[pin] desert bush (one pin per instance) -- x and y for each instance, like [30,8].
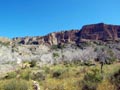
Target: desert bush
[106,56]
[111,56]
[16,85]
[95,76]
[76,62]
[92,79]
[61,46]
[25,74]
[38,76]
[115,79]
[11,75]
[59,73]
[55,55]
[54,47]
[96,42]
[33,63]
[83,45]
[110,60]
[4,43]
[88,63]
[66,62]
[47,70]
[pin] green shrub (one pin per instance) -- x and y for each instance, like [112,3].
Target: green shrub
[88,63]
[110,60]
[60,73]
[16,85]
[11,75]
[61,46]
[33,63]
[92,79]
[4,43]
[56,74]
[47,70]
[25,74]
[94,76]
[38,76]
[54,47]
[76,62]
[84,45]
[115,79]
[111,57]
[55,55]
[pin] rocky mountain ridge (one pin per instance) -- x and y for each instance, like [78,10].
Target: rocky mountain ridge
[100,31]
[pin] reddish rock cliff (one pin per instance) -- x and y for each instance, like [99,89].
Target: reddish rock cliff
[99,31]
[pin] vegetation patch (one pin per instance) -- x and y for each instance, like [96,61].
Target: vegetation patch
[115,79]
[15,84]
[92,79]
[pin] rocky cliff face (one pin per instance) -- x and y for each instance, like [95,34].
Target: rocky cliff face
[98,31]
[50,39]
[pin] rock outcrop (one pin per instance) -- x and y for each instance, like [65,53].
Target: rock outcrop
[50,39]
[98,31]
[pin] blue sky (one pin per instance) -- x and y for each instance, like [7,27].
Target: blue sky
[40,17]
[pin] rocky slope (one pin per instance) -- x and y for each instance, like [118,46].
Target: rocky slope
[98,31]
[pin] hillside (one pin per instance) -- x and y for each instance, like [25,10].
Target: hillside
[85,59]
[82,45]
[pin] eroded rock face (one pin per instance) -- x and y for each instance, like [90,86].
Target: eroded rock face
[50,39]
[98,31]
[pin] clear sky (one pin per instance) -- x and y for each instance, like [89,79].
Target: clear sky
[40,17]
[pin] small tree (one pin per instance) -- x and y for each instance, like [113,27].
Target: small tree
[55,56]
[102,57]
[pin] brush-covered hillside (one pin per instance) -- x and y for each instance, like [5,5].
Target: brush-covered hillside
[85,59]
